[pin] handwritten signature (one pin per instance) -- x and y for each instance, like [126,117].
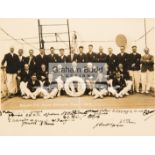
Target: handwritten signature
[96,116]
[149,114]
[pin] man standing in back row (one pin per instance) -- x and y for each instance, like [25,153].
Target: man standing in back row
[134,68]
[22,60]
[147,69]
[112,62]
[81,57]
[52,57]
[62,58]
[101,56]
[12,66]
[72,57]
[41,59]
[31,61]
[122,58]
[91,56]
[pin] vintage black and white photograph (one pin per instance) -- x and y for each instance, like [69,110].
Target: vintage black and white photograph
[75,76]
[77,63]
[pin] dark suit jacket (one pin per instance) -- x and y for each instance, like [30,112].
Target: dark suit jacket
[12,63]
[41,60]
[102,57]
[112,62]
[69,58]
[52,58]
[32,63]
[123,59]
[134,59]
[62,60]
[25,76]
[147,65]
[125,74]
[118,84]
[21,64]
[91,57]
[44,74]
[81,58]
[32,87]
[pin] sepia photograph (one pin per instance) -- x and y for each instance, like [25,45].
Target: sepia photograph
[77,76]
[77,63]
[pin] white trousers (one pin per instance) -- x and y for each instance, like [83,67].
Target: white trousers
[135,79]
[147,80]
[11,83]
[102,92]
[114,92]
[124,91]
[25,91]
[45,94]
[53,93]
[128,87]
[23,88]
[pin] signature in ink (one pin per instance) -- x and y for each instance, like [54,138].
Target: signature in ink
[121,123]
[148,113]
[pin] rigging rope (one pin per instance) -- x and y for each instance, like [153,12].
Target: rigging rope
[10,36]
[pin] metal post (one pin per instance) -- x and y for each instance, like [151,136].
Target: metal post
[41,36]
[145,32]
[69,35]
[39,33]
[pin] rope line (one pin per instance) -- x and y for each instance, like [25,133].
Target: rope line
[29,44]
[10,36]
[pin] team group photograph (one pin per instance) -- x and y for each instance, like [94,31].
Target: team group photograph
[81,70]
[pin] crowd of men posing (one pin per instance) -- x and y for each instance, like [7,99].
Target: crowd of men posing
[29,77]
